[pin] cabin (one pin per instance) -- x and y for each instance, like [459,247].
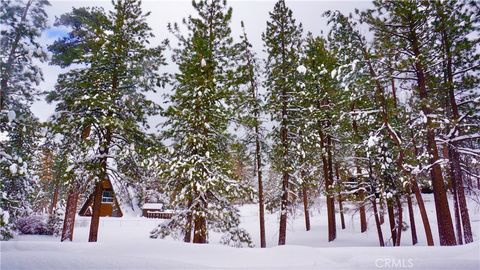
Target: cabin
[109,207]
[156,210]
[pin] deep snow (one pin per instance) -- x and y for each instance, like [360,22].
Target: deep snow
[124,244]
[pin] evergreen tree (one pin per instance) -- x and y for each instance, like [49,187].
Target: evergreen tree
[407,26]
[319,100]
[283,40]
[199,172]
[454,23]
[21,26]
[357,119]
[250,113]
[102,103]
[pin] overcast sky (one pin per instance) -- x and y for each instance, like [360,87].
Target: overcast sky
[254,13]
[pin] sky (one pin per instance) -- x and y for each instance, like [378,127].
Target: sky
[254,13]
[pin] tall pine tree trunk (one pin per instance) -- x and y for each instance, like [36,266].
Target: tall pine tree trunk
[305,203]
[447,153]
[200,233]
[456,210]
[382,212]
[340,200]
[97,203]
[462,201]
[423,212]
[70,213]
[332,230]
[377,222]
[444,218]
[258,158]
[454,156]
[283,210]
[391,220]
[103,175]
[53,204]
[411,216]
[200,230]
[285,174]
[400,220]
[418,197]
[188,227]
[326,175]
[358,171]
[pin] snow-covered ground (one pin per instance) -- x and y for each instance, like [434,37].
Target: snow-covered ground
[124,243]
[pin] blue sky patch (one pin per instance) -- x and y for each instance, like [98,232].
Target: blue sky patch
[56,32]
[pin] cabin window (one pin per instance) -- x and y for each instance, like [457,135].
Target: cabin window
[107,196]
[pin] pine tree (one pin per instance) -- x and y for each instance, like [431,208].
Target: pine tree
[251,108]
[283,40]
[357,123]
[21,26]
[407,25]
[454,23]
[319,101]
[104,102]
[384,141]
[199,171]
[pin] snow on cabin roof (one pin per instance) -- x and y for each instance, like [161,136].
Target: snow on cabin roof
[152,206]
[125,197]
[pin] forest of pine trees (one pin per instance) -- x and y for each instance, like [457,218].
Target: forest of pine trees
[377,111]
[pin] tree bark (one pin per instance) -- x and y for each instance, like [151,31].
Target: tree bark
[332,230]
[188,228]
[340,200]
[423,212]
[283,210]
[411,216]
[400,221]
[382,212]
[187,238]
[53,204]
[391,219]
[462,201]
[456,208]
[285,174]
[305,203]
[261,206]
[377,223]
[95,220]
[326,162]
[363,215]
[70,213]
[200,230]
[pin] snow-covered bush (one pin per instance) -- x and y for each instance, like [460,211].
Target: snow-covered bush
[55,222]
[33,224]
[5,226]
[237,238]
[41,224]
